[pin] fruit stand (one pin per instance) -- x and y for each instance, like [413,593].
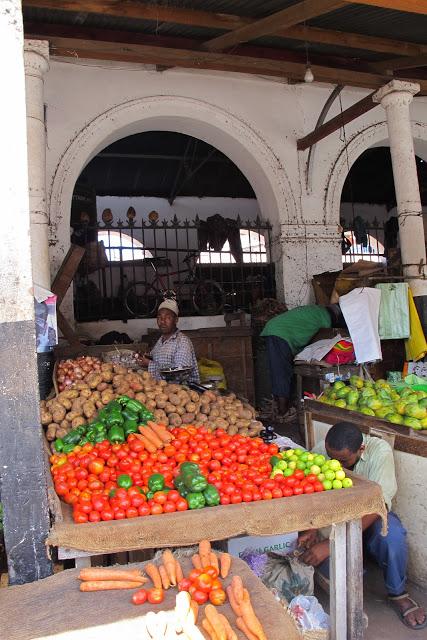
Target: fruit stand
[410,455]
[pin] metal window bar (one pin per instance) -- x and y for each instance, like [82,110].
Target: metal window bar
[101,292]
[374,251]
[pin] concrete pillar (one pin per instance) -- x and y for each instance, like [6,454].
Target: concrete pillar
[36,57]
[395,97]
[22,460]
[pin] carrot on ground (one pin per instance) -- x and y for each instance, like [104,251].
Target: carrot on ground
[243,627]
[153,573]
[233,602]
[225,563]
[97,573]
[195,609]
[250,618]
[212,615]
[178,571]
[213,560]
[108,585]
[204,547]
[153,437]
[161,431]
[170,566]
[209,629]
[237,586]
[147,443]
[197,563]
[164,576]
[231,634]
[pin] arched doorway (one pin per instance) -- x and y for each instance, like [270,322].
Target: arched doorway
[234,137]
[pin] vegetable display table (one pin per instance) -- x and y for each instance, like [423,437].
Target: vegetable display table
[410,458]
[342,509]
[55,608]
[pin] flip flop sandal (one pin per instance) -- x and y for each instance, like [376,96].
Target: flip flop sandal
[393,600]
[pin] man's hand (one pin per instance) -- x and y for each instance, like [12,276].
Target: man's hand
[317,553]
[144,361]
[306,539]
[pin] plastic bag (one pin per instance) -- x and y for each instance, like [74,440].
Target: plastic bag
[211,369]
[309,613]
[288,576]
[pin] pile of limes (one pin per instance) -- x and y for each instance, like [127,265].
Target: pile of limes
[329,472]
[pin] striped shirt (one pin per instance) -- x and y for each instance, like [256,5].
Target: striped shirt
[177,352]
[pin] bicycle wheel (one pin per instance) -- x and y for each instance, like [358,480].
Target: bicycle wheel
[141,300]
[208,298]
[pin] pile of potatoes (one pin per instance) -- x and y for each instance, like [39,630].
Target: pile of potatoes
[172,404]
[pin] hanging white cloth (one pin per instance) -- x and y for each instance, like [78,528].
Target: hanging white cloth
[360,309]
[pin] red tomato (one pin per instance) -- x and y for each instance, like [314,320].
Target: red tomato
[144,510]
[156,509]
[236,498]
[287,492]
[184,584]
[169,507]
[181,504]
[203,582]
[96,466]
[308,488]
[194,574]
[256,495]
[311,477]
[132,512]
[107,514]
[155,596]
[138,500]
[119,514]
[298,474]
[80,517]
[173,496]
[266,494]
[318,486]
[277,493]
[225,499]
[199,596]
[159,497]
[297,491]
[217,597]
[94,516]
[211,571]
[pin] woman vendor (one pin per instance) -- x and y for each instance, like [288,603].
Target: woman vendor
[173,348]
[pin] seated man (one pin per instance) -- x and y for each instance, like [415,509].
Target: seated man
[173,348]
[371,458]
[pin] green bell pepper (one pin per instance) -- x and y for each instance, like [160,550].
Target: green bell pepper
[196,500]
[83,441]
[116,434]
[102,415]
[212,496]
[124,481]
[130,426]
[131,404]
[129,415]
[68,448]
[180,486]
[114,405]
[156,482]
[274,460]
[59,445]
[195,483]
[189,466]
[72,437]
[100,436]
[115,418]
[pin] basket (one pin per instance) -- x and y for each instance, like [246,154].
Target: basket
[124,357]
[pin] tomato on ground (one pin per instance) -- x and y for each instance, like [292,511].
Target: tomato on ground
[155,596]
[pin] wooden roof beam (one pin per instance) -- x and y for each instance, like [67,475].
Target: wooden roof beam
[210,20]
[353,112]
[400,63]
[410,6]
[271,24]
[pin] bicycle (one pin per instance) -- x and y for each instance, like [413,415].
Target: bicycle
[142,298]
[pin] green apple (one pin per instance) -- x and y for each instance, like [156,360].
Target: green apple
[282,464]
[298,452]
[301,465]
[337,484]
[321,477]
[315,469]
[327,485]
[276,472]
[319,460]
[310,457]
[288,472]
[330,475]
[292,464]
[340,474]
[347,482]
[334,465]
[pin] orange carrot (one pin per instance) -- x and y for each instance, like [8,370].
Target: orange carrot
[243,627]
[151,436]
[225,562]
[209,629]
[197,563]
[108,585]
[250,618]
[231,634]
[237,586]
[99,573]
[178,571]
[213,560]
[204,547]
[195,609]
[161,431]
[169,562]
[164,576]
[147,443]
[152,572]
[213,617]
[233,602]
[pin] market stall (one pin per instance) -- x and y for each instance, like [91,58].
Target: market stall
[410,455]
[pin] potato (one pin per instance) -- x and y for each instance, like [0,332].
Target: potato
[58,414]
[159,415]
[190,407]
[244,432]
[243,424]
[85,393]
[66,402]
[245,414]
[80,385]
[107,366]
[188,418]
[180,410]
[45,417]
[102,386]
[42,404]
[61,432]
[119,369]
[96,395]
[175,399]
[130,393]
[70,393]
[123,389]
[99,404]
[169,408]
[232,419]
[107,376]
[77,422]
[64,425]
[51,431]
[205,408]
[175,420]
[77,406]
[89,409]
[141,397]
[151,395]
[256,424]
[71,415]
[194,396]
[232,430]
[160,404]
[220,423]
[252,433]
[146,375]
[93,379]
[201,418]
[106,396]
[214,413]
[151,405]
[118,380]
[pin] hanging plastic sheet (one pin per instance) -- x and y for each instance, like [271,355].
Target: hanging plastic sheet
[360,309]
[393,322]
[416,345]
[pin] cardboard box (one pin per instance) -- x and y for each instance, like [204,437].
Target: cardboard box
[281,544]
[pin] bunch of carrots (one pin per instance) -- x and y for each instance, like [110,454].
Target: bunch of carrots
[206,557]
[154,436]
[106,579]
[246,619]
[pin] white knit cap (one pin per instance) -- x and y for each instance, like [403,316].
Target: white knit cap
[169,304]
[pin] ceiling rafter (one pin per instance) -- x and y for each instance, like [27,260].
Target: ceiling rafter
[409,6]
[400,63]
[283,19]
[191,17]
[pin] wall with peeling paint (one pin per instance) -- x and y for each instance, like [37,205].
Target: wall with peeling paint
[255,121]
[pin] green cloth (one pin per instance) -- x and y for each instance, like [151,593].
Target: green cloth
[376,464]
[298,325]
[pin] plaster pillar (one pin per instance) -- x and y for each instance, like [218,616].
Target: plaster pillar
[307,250]
[395,97]
[36,58]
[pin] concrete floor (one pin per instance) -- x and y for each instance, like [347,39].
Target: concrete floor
[383,622]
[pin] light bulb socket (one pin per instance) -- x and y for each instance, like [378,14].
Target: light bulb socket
[308,76]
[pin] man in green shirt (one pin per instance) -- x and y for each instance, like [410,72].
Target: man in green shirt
[373,459]
[286,335]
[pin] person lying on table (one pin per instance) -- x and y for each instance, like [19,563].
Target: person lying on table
[173,348]
[373,459]
[286,335]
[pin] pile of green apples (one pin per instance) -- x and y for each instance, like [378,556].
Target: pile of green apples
[380,399]
[329,472]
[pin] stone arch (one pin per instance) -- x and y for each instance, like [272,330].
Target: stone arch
[376,135]
[231,135]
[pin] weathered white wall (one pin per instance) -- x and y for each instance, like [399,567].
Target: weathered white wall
[255,121]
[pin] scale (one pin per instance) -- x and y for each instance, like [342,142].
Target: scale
[180,375]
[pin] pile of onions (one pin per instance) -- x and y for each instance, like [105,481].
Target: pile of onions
[71,371]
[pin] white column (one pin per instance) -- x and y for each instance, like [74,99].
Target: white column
[36,57]
[395,97]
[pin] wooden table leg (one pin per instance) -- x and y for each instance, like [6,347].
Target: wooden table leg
[338,581]
[355,623]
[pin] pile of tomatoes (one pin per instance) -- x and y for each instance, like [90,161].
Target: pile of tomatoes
[203,585]
[237,465]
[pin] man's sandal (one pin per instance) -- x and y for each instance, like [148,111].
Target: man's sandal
[393,601]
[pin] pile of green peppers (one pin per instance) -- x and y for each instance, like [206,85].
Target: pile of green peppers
[194,487]
[118,419]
